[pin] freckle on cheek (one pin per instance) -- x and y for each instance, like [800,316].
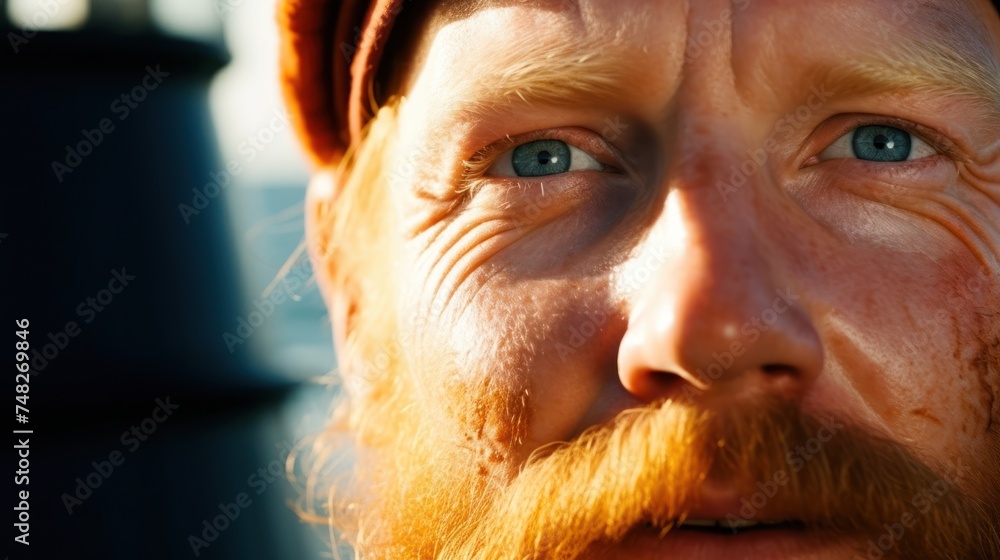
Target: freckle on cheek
[924,413]
[493,418]
[986,364]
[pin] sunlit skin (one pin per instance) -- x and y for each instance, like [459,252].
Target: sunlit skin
[864,290]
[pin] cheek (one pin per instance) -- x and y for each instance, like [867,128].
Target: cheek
[910,314]
[925,375]
[541,349]
[499,284]
[554,340]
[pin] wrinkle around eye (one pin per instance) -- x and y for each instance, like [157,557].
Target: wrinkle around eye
[873,179]
[476,244]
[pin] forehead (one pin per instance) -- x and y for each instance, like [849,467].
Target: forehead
[480,34]
[635,57]
[961,16]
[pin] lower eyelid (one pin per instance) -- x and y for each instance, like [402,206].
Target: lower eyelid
[923,173]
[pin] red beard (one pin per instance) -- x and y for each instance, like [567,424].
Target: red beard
[428,498]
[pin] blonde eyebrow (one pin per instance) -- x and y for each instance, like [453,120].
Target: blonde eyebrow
[569,73]
[930,67]
[566,73]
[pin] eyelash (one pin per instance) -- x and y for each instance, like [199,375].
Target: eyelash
[474,169]
[933,138]
[476,166]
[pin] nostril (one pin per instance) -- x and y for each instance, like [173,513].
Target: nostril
[654,384]
[664,379]
[671,384]
[777,369]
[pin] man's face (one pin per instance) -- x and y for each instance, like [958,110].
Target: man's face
[606,205]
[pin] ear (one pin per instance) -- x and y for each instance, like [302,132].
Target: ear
[320,196]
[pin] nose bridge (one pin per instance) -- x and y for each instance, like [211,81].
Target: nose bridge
[717,312]
[719,263]
[712,197]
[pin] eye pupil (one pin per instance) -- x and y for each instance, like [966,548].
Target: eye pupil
[881,143]
[541,157]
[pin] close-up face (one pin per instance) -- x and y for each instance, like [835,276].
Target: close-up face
[646,279]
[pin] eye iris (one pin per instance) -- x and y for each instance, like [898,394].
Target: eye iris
[541,157]
[881,143]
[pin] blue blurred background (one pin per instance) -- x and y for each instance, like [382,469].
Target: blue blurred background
[152,193]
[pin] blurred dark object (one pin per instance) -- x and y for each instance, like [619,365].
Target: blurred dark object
[108,134]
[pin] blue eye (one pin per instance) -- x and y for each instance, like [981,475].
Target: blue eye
[541,158]
[881,143]
[878,143]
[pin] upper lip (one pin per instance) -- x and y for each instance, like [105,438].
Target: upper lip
[724,503]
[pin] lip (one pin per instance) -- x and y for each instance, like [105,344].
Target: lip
[793,540]
[644,543]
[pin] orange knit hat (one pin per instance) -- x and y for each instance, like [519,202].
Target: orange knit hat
[330,50]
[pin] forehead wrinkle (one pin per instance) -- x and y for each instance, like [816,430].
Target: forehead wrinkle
[442,14]
[941,19]
[936,49]
[449,11]
[570,60]
[932,58]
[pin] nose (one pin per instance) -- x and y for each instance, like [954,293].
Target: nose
[714,314]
